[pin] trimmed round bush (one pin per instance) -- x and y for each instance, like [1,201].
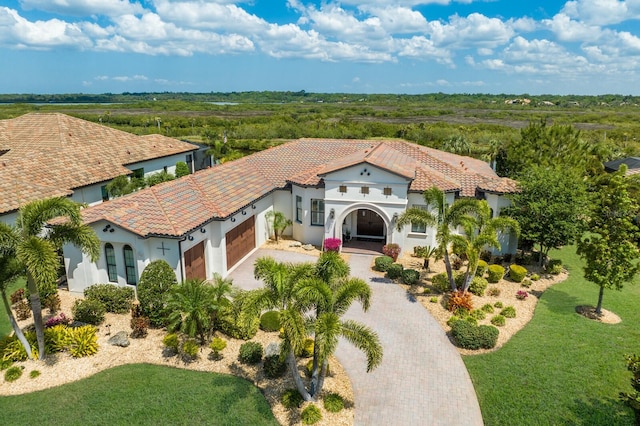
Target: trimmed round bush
[508,312]
[291,399]
[394,271]
[34,373]
[517,273]
[217,344]
[274,367]
[189,349]
[482,268]
[554,266]
[250,353]
[114,298]
[171,341]
[410,276]
[469,336]
[478,314]
[498,305]
[12,374]
[153,288]
[487,308]
[535,277]
[311,415]
[494,291]
[440,282]
[270,321]
[89,311]
[382,263]
[333,402]
[498,320]
[495,273]
[478,286]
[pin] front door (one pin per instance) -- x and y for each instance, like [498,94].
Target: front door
[370,224]
[194,265]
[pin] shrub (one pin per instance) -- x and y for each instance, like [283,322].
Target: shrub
[485,255]
[487,308]
[52,303]
[440,282]
[494,291]
[554,266]
[270,321]
[217,345]
[291,398]
[333,402]
[114,298]
[17,296]
[498,320]
[139,327]
[171,341]
[482,268]
[60,319]
[458,301]
[469,336]
[311,415]
[189,350]
[495,273]
[250,353]
[12,374]
[508,312]
[456,262]
[517,273]
[13,349]
[307,349]
[89,311]
[23,310]
[181,169]
[478,314]
[83,341]
[274,367]
[332,244]
[34,373]
[434,299]
[395,271]
[382,263]
[392,250]
[309,368]
[228,322]
[57,338]
[410,276]
[535,277]
[521,295]
[526,283]
[153,288]
[478,286]
[498,305]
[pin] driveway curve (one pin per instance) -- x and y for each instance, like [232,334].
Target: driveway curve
[421,380]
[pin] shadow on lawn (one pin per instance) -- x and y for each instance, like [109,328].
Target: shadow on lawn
[605,412]
[560,302]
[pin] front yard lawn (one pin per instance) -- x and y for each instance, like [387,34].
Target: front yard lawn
[562,368]
[142,394]
[5,325]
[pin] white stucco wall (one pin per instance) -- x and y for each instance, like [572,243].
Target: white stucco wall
[156,165]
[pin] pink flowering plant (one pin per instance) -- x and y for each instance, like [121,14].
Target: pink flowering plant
[332,244]
[391,250]
[61,318]
[522,295]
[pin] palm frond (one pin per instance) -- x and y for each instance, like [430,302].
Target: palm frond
[39,258]
[34,216]
[365,339]
[350,290]
[81,236]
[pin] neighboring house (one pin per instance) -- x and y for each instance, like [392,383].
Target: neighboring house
[632,163]
[208,222]
[51,154]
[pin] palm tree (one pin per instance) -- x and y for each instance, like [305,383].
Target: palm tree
[36,247]
[278,222]
[445,218]
[480,231]
[10,270]
[221,292]
[331,291]
[191,306]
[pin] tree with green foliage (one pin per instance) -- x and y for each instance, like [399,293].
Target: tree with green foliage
[609,248]
[445,218]
[37,249]
[123,185]
[156,280]
[549,208]
[278,222]
[181,169]
[157,178]
[480,231]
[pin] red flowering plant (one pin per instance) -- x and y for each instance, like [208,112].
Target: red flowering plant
[391,250]
[332,244]
[61,318]
[522,295]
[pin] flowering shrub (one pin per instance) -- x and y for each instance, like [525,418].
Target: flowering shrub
[61,318]
[522,295]
[391,250]
[332,244]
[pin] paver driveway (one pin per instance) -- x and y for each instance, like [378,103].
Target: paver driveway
[422,379]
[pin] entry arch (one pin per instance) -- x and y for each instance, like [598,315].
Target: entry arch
[338,230]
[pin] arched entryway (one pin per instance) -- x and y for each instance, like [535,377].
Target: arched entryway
[363,229]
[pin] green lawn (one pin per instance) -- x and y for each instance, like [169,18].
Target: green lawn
[5,326]
[562,368]
[139,394]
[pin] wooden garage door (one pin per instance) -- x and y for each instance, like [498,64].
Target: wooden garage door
[240,241]
[194,265]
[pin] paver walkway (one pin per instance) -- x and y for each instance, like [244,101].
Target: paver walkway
[422,379]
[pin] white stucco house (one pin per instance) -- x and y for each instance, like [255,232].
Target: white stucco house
[46,155]
[208,222]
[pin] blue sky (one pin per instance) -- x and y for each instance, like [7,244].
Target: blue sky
[376,46]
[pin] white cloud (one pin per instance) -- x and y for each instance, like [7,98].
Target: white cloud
[421,47]
[125,78]
[399,20]
[602,12]
[476,30]
[567,29]
[84,7]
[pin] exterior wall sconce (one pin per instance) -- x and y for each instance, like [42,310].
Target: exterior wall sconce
[203,230]
[394,219]
[244,212]
[190,237]
[332,214]
[233,219]
[253,206]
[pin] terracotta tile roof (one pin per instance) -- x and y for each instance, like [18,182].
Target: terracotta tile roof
[53,153]
[178,207]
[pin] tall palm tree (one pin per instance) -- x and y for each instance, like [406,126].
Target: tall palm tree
[331,292]
[278,222]
[36,247]
[480,231]
[445,218]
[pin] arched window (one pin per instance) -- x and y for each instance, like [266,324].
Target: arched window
[129,265]
[110,255]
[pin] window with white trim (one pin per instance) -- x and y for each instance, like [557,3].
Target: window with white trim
[317,212]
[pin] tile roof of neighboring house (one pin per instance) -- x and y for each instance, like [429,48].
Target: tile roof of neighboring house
[632,163]
[51,154]
[178,207]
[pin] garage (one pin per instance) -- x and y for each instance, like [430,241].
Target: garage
[240,241]
[194,264]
